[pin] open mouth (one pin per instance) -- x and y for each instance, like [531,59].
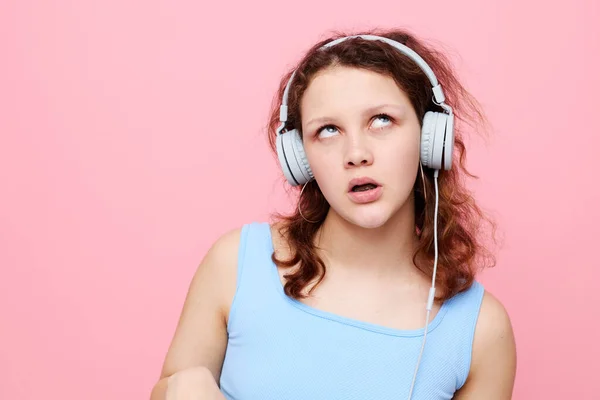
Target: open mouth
[362,184]
[363,188]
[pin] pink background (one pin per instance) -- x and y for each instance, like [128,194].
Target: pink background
[132,136]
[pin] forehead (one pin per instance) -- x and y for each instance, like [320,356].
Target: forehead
[347,89]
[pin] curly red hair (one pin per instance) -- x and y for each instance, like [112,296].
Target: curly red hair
[460,220]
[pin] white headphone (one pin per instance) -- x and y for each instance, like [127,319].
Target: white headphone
[437,144]
[437,133]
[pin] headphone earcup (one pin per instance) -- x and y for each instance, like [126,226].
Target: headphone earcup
[292,158]
[437,140]
[427,137]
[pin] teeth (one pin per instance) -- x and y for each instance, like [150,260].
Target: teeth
[362,188]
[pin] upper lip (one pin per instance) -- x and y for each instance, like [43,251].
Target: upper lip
[362,181]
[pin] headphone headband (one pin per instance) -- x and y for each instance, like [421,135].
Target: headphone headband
[438,94]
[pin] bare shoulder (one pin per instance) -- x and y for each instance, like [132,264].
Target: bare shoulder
[494,327]
[219,267]
[225,247]
[494,359]
[200,337]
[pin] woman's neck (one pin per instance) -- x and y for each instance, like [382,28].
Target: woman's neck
[388,248]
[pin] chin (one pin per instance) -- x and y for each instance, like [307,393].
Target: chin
[368,218]
[373,215]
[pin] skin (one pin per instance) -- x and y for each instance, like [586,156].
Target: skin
[367,248]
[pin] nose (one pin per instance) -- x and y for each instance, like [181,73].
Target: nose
[358,153]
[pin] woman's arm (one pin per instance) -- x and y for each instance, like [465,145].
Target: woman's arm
[494,359]
[200,337]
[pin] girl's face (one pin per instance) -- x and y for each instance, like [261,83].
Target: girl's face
[362,140]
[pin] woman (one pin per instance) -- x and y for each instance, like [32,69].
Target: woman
[368,290]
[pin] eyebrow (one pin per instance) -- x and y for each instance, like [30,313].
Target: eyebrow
[371,110]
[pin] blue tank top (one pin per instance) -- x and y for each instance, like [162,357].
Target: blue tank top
[281,349]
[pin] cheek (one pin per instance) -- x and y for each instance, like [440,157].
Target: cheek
[401,164]
[328,172]
[325,168]
[404,155]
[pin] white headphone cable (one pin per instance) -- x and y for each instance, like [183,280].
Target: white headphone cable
[432,289]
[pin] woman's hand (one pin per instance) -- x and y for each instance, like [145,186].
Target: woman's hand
[195,383]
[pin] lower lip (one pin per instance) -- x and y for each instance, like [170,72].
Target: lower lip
[367,196]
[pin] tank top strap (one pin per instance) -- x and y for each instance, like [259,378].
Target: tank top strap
[255,270]
[459,325]
[253,253]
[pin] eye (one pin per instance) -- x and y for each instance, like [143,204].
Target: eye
[382,120]
[326,131]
